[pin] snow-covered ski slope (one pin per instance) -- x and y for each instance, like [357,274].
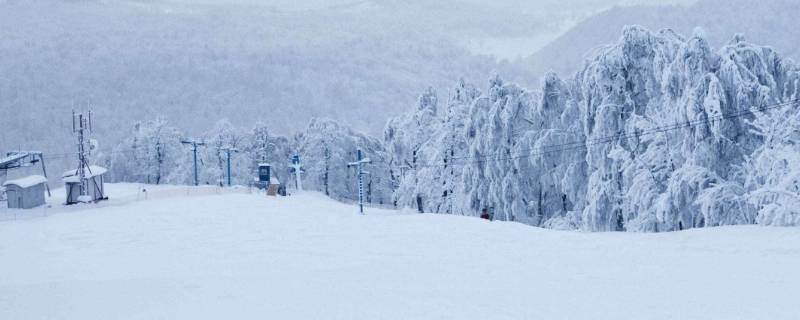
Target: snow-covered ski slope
[246,256]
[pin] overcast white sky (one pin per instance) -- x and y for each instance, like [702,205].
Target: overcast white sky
[527,4]
[561,15]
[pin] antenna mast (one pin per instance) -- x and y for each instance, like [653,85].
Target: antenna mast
[82,127]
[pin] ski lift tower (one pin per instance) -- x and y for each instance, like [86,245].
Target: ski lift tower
[228,151]
[194,144]
[297,169]
[359,165]
[20,159]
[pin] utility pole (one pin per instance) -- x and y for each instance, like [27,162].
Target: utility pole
[228,151]
[416,182]
[359,164]
[194,145]
[297,167]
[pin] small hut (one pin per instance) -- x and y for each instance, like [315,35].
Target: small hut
[266,180]
[274,187]
[25,193]
[96,189]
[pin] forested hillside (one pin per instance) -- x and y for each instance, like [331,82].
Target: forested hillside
[659,132]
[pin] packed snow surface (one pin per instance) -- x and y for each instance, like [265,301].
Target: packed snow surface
[247,256]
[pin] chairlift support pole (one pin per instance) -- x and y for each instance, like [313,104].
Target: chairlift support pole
[44,172]
[359,164]
[297,166]
[194,145]
[228,151]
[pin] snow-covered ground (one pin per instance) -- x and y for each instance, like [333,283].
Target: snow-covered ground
[247,256]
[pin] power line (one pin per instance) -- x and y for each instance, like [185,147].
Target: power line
[579,145]
[538,151]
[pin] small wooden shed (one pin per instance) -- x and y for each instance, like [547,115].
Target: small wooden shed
[25,193]
[96,189]
[273,189]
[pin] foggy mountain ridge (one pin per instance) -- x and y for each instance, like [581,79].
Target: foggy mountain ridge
[771,22]
[196,64]
[132,58]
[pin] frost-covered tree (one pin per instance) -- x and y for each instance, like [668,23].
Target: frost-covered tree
[512,172]
[497,124]
[645,178]
[656,133]
[149,155]
[772,174]
[449,145]
[431,179]
[326,147]
[263,147]
[215,159]
[404,137]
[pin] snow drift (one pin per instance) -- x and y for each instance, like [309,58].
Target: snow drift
[247,256]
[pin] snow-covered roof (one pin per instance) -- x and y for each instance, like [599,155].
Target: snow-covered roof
[12,158]
[91,171]
[264,164]
[26,182]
